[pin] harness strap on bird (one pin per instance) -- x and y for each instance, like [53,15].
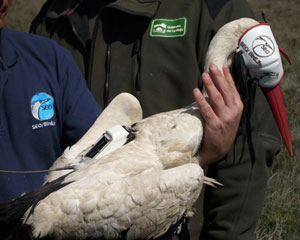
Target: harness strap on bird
[113,138]
[247,89]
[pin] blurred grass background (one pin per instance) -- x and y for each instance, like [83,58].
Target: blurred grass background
[280,219]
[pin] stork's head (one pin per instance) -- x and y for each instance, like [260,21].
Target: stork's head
[262,58]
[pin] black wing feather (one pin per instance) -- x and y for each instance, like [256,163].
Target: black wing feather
[12,212]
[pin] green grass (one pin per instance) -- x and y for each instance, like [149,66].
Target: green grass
[21,14]
[280,219]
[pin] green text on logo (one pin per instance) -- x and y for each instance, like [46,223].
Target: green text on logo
[168,27]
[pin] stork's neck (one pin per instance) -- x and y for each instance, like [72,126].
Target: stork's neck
[225,42]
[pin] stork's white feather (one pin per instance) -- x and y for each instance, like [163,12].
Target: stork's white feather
[124,109]
[146,204]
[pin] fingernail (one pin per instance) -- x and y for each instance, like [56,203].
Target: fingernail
[214,67]
[197,93]
[205,75]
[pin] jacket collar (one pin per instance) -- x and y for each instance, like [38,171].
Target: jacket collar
[9,53]
[90,8]
[145,8]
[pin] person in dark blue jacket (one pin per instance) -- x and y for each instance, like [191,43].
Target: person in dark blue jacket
[44,106]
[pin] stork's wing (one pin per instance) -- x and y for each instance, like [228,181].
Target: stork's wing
[139,206]
[124,109]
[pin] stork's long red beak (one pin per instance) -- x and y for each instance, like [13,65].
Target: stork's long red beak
[275,99]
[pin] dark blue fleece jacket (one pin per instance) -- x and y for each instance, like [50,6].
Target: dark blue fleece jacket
[44,106]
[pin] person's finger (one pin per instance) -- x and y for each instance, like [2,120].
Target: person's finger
[235,104]
[224,84]
[205,109]
[215,97]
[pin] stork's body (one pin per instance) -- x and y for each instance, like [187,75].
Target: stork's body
[141,188]
[136,188]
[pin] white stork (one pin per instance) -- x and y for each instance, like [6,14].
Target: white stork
[137,191]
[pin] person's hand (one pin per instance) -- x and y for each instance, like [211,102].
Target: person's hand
[222,114]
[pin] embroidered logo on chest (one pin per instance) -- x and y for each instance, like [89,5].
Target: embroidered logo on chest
[42,106]
[168,27]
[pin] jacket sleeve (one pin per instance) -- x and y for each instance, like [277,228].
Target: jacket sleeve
[231,212]
[80,109]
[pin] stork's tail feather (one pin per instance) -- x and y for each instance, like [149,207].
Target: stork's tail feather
[212,182]
[12,212]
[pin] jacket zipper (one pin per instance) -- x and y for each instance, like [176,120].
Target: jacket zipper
[90,55]
[137,51]
[107,74]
